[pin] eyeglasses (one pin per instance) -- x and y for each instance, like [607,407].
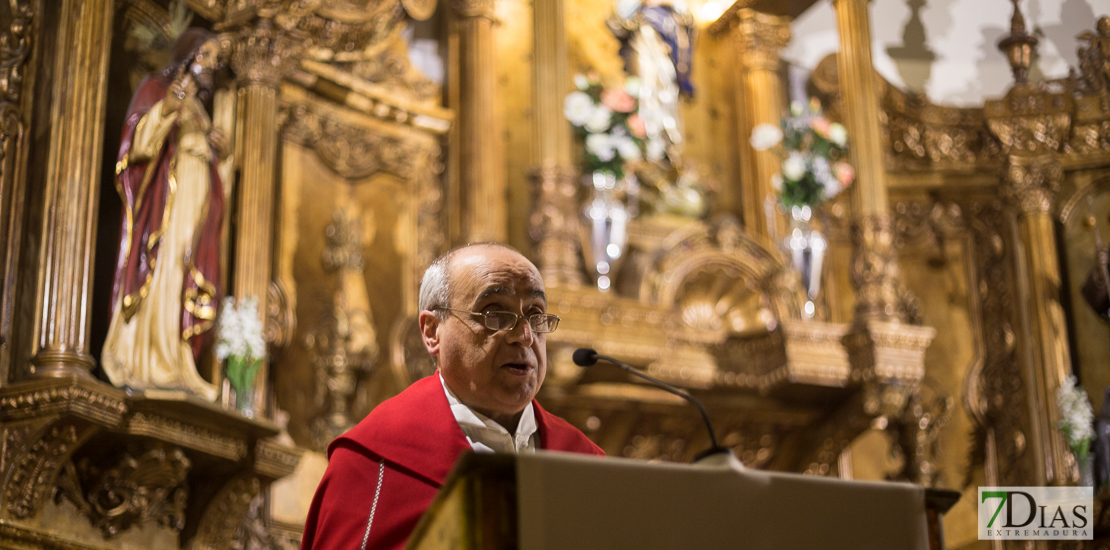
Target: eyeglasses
[507,320]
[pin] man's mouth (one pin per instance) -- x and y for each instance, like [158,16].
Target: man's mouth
[517,368]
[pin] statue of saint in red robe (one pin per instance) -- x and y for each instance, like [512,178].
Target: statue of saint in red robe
[165,294]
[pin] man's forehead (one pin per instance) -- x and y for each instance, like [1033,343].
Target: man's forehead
[502,290]
[494,271]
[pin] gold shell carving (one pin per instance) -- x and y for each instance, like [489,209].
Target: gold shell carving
[142,485]
[419,10]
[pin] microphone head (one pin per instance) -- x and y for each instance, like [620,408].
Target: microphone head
[585,357]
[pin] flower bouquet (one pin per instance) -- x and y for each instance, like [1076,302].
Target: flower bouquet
[241,347]
[814,170]
[814,156]
[1077,425]
[614,135]
[608,122]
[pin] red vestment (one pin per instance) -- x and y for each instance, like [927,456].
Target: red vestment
[144,186]
[412,441]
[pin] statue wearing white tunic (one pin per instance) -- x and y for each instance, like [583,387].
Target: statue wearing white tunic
[165,294]
[657,43]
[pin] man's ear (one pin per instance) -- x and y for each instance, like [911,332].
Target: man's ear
[429,331]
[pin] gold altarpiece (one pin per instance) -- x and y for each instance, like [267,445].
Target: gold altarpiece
[353,171]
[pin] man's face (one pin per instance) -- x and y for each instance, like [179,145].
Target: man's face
[496,373]
[205,63]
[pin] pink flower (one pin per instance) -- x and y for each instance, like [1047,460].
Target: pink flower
[845,174]
[820,125]
[636,126]
[618,100]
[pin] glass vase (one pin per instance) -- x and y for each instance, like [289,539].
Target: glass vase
[244,401]
[241,373]
[610,206]
[1086,466]
[805,246]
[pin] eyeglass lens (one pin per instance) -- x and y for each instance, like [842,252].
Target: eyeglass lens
[505,320]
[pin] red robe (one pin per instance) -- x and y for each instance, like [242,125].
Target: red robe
[144,187]
[418,440]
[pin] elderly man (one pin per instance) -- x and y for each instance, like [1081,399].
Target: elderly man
[483,317]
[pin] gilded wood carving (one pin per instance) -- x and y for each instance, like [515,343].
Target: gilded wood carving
[143,485]
[15,46]
[920,135]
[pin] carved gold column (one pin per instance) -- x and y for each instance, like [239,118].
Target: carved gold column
[1031,126]
[759,38]
[483,205]
[1030,184]
[72,187]
[886,351]
[554,223]
[259,59]
[1031,176]
[874,268]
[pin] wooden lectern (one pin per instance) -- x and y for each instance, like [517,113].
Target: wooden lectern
[557,501]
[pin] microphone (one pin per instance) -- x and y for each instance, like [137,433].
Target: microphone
[586,357]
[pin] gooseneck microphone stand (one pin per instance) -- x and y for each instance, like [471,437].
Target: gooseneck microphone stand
[586,357]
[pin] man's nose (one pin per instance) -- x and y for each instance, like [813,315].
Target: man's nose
[522,332]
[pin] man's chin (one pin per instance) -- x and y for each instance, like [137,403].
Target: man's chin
[518,393]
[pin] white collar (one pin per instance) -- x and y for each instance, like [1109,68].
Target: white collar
[485,435]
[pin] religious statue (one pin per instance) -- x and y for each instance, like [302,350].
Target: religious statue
[1094,289]
[1101,444]
[657,44]
[1094,59]
[165,293]
[1095,293]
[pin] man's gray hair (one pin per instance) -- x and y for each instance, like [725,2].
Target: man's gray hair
[435,287]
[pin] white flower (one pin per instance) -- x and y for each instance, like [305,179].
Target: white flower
[838,134]
[251,324]
[600,146]
[632,86]
[228,334]
[821,169]
[627,148]
[1076,416]
[578,108]
[581,82]
[776,183]
[796,108]
[240,332]
[599,119]
[794,167]
[765,136]
[831,187]
[824,174]
[656,149]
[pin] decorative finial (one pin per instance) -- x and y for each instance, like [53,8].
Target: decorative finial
[1019,46]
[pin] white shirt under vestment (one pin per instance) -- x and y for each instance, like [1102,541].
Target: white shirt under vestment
[487,436]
